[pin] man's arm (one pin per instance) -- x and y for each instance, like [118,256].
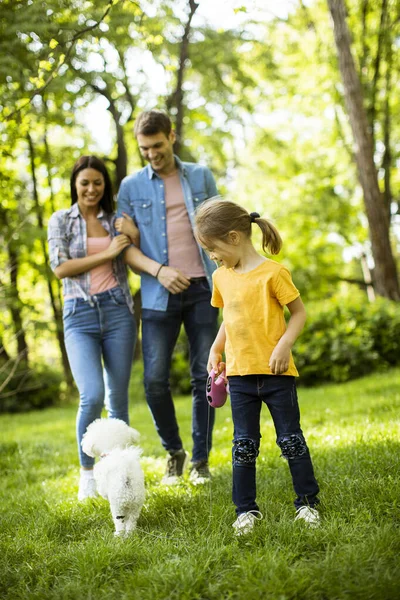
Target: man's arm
[172,279]
[211,186]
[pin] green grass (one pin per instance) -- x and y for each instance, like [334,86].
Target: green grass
[52,547]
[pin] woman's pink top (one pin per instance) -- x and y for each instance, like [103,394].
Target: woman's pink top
[102,277]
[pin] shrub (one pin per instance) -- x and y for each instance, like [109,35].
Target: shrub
[29,389]
[344,339]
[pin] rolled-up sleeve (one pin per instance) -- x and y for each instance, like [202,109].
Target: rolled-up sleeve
[123,203]
[57,240]
[211,186]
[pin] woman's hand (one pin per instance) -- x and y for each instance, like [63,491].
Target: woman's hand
[118,243]
[127,225]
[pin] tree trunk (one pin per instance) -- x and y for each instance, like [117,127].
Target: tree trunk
[13,299]
[4,356]
[56,310]
[121,162]
[387,156]
[176,98]
[385,274]
[15,303]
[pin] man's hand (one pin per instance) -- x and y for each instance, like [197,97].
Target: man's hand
[173,280]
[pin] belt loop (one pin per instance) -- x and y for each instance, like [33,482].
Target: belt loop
[90,300]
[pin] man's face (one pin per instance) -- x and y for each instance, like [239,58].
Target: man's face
[158,150]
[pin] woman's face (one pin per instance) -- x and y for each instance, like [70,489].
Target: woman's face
[89,187]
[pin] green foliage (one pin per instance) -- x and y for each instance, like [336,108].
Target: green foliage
[30,389]
[54,548]
[347,338]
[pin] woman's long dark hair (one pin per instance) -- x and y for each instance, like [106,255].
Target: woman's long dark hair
[92,162]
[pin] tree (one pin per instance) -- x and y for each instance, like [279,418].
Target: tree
[385,273]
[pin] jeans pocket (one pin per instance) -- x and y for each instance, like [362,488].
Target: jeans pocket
[69,309]
[118,297]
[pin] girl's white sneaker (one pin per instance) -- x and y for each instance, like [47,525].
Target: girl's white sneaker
[244,524]
[308,515]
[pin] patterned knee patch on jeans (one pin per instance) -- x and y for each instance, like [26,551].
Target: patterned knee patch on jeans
[292,446]
[244,452]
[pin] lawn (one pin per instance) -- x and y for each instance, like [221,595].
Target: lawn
[52,547]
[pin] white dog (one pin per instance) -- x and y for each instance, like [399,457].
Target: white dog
[118,474]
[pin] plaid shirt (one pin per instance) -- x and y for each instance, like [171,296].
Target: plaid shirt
[67,238]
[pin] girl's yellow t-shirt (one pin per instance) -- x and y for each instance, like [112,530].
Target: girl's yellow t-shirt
[252,305]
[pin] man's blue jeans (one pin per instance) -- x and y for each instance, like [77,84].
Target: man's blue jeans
[279,393]
[160,330]
[100,341]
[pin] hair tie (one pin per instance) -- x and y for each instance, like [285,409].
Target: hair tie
[254,216]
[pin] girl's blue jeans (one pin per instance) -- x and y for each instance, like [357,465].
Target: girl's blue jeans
[100,337]
[279,393]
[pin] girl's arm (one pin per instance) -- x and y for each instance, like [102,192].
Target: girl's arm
[76,266]
[279,361]
[216,351]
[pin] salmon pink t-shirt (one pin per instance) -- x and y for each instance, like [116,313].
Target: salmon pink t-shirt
[102,277]
[183,251]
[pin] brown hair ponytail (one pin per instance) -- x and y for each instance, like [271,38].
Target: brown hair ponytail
[216,217]
[271,240]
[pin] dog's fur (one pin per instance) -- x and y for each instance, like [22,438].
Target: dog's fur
[118,474]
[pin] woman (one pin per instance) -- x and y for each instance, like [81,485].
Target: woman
[99,327]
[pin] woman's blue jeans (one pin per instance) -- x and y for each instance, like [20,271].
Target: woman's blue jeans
[279,393]
[160,330]
[100,337]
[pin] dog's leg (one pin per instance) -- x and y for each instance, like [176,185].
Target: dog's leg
[119,517]
[132,518]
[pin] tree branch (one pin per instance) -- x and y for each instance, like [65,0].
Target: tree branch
[54,73]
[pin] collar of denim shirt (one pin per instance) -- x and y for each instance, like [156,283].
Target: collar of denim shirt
[179,164]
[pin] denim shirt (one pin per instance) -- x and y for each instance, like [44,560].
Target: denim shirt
[142,196]
[67,238]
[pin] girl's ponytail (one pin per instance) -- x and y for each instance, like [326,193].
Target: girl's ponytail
[271,240]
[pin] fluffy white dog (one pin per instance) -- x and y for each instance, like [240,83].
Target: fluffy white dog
[118,474]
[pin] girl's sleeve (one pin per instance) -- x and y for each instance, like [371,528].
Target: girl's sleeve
[284,289]
[57,240]
[216,298]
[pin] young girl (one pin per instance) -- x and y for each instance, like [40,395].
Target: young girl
[253,290]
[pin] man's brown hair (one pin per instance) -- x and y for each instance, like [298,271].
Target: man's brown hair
[151,122]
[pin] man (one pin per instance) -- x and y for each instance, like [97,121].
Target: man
[175,285]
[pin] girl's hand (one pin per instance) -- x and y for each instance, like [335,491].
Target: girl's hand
[279,360]
[215,362]
[126,225]
[119,243]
